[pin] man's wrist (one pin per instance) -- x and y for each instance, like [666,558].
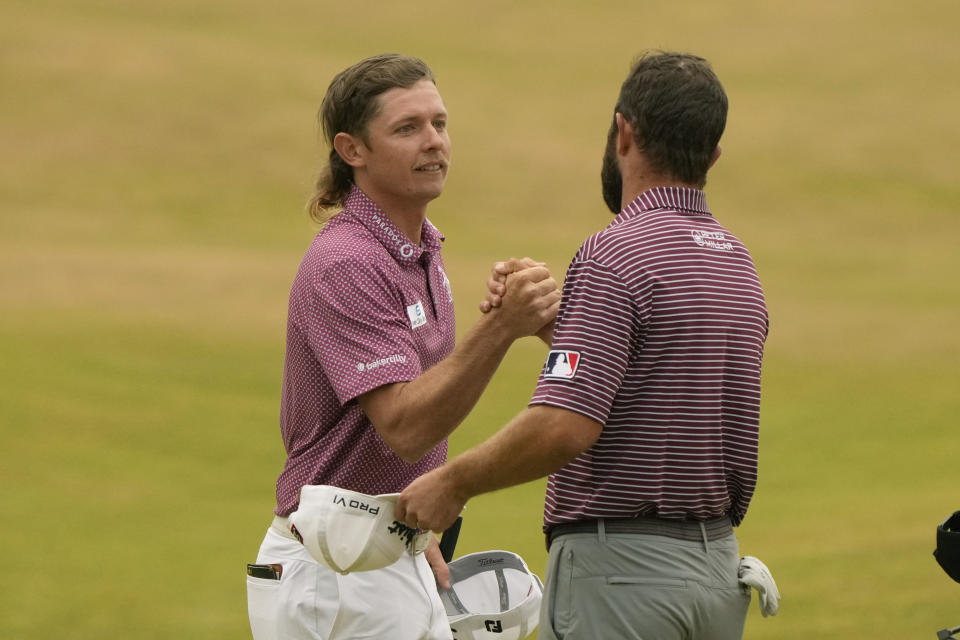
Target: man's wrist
[495,332]
[454,476]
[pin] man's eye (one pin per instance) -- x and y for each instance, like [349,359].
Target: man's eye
[440,125]
[407,128]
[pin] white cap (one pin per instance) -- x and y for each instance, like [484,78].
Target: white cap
[492,595]
[349,531]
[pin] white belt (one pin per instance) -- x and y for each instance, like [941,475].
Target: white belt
[281,525]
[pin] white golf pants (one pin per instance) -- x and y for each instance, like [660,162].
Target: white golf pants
[313,602]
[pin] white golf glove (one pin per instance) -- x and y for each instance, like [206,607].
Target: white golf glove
[753,573]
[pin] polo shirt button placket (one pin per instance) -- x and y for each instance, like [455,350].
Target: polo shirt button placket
[426,263]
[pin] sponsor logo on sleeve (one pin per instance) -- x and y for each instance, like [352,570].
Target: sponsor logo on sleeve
[416,314]
[561,364]
[397,358]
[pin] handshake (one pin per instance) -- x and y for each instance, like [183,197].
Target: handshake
[526,294]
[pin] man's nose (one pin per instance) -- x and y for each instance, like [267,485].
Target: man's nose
[434,138]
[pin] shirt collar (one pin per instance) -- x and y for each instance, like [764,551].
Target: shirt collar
[682,199]
[388,234]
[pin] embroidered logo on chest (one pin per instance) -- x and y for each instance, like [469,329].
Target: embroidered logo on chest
[446,283]
[561,364]
[417,317]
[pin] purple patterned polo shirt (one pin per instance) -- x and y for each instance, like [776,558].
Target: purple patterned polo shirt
[367,308]
[659,337]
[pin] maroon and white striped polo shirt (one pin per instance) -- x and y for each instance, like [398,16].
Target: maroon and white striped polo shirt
[367,308]
[659,337]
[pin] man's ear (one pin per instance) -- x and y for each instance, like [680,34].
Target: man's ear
[716,156]
[348,148]
[624,134]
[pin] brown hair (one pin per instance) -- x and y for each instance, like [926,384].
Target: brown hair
[678,110]
[350,104]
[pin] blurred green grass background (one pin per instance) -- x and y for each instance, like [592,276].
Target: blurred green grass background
[155,161]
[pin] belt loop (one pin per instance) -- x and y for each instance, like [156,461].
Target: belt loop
[703,532]
[601,531]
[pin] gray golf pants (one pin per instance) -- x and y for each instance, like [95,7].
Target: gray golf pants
[642,587]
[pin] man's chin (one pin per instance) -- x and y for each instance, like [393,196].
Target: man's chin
[433,191]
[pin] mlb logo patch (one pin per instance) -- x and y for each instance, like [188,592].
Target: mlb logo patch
[561,364]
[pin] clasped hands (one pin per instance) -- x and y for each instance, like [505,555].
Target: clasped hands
[527,287]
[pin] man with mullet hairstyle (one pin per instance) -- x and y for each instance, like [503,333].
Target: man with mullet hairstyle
[646,414]
[373,383]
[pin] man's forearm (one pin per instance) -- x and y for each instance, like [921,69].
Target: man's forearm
[413,417]
[537,442]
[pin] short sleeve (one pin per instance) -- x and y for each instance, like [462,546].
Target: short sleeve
[358,328]
[592,342]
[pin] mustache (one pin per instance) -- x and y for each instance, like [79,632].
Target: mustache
[439,159]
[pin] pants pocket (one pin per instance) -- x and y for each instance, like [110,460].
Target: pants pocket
[262,607]
[564,603]
[674,583]
[554,606]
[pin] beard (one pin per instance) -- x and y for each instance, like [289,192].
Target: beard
[611,180]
